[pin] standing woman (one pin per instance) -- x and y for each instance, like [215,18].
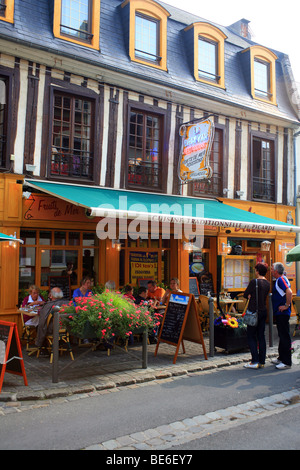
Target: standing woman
[256,334]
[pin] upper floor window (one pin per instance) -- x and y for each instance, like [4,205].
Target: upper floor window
[214,186]
[72,137]
[7,10]
[263,169]
[147,32]
[145,149]
[263,73]
[208,59]
[207,42]
[147,39]
[262,78]
[78,21]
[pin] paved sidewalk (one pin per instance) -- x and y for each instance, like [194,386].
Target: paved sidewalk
[95,371]
[182,432]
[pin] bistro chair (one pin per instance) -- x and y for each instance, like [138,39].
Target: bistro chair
[240,306]
[296,304]
[63,340]
[203,311]
[28,333]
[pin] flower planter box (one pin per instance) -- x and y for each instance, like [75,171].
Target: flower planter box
[230,339]
[90,332]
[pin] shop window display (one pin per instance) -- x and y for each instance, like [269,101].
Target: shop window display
[47,253]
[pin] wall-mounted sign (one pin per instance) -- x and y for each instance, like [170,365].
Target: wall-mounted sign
[45,207]
[196,143]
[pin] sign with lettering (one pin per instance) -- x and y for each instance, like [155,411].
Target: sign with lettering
[181,322]
[45,207]
[143,265]
[196,143]
[11,359]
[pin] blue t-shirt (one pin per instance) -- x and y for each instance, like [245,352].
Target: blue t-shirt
[77,293]
[279,295]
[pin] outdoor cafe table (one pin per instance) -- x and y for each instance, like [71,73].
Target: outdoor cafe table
[230,303]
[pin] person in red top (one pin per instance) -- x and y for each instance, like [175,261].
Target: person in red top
[155,292]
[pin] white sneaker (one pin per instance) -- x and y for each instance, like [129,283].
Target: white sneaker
[276,361]
[250,365]
[282,366]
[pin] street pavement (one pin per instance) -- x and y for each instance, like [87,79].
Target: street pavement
[95,370]
[94,373]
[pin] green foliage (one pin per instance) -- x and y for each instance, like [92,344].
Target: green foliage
[109,314]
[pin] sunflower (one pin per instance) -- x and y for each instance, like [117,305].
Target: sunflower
[232,322]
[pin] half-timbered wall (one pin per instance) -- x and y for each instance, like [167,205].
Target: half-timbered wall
[30,119]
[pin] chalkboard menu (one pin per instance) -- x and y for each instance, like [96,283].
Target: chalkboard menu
[181,322]
[206,284]
[194,287]
[174,319]
[63,282]
[11,359]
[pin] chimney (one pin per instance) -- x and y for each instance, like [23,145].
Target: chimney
[242,28]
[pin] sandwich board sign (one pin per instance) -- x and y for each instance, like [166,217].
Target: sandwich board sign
[11,359]
[181,322]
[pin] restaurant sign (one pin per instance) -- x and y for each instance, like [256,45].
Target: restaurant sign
[196,143]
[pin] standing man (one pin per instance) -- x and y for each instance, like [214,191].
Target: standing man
[281,300]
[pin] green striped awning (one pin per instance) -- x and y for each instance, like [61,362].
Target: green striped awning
[106,202]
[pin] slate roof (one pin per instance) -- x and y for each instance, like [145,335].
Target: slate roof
[33,24]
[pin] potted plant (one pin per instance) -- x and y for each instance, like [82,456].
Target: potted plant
[230,333]
[107,315]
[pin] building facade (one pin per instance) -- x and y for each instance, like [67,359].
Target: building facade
[92,97]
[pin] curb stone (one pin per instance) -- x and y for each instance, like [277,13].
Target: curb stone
[131,377]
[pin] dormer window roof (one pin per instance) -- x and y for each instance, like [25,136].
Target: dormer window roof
[147,32]
[207,43]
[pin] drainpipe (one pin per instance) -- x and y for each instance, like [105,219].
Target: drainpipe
[297,205]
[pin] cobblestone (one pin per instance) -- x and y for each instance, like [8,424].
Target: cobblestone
[213,422]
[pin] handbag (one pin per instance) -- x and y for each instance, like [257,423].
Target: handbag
[251,318]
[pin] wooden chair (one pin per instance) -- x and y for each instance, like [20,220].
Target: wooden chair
[63,340]
[240,306]
[203,311]
[28,333]
[296,303]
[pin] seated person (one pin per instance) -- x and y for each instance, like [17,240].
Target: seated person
[174,287]
[155,292]
[55,298]
[85,288]
[110,285]
[129,292]
[31,300]
[142,296]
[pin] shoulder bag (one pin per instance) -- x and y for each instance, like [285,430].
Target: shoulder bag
[251,318]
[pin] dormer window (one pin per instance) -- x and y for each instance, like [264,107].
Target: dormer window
[147,39]
[7,10]
[147,32]
[262,79]
[77,21]
[260,64]
[207,43]
[208,59]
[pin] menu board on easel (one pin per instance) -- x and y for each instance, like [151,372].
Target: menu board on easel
[11,359]
[237,272]
[181,322]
